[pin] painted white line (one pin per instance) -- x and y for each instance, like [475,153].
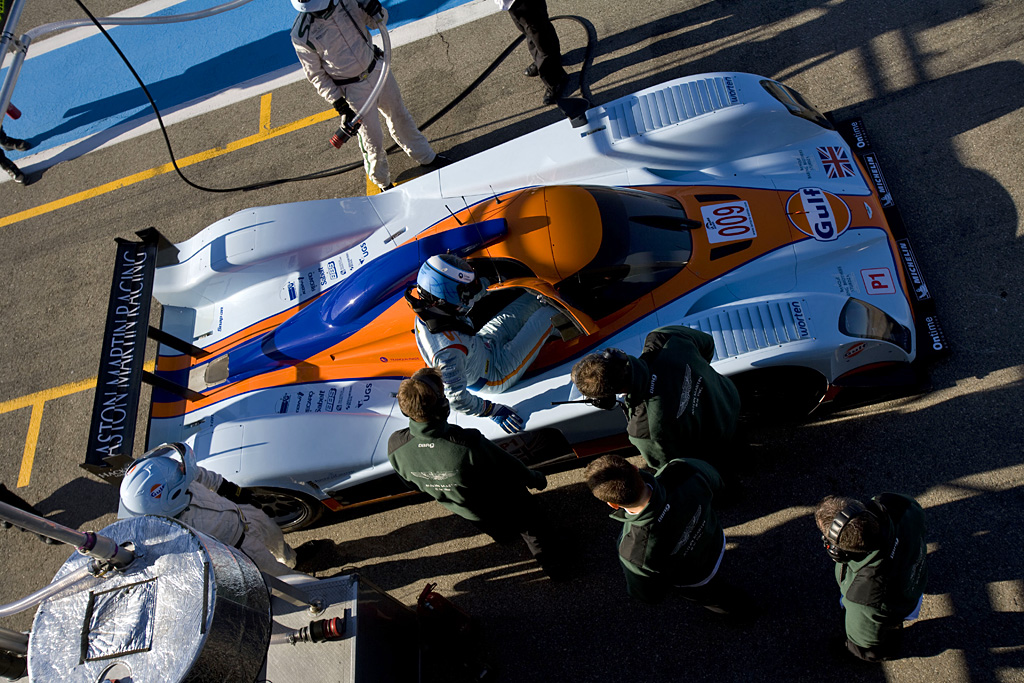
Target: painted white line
[443,21]
[76,34]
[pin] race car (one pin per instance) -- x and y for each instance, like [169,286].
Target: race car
[723,201]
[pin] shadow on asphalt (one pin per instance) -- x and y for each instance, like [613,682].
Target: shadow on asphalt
[955,447]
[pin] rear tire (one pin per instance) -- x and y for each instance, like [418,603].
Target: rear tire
[291,510]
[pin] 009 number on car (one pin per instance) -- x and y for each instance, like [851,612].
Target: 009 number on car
[728,222]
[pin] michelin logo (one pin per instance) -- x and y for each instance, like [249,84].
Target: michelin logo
[916,279]
[875,169]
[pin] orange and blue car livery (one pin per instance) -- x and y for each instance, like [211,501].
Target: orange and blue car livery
[720,201]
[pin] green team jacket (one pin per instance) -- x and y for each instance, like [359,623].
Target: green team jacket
[677,539]
[677,404]
[460,469]
[884,587]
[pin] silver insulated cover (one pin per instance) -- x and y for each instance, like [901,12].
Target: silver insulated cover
[189,608]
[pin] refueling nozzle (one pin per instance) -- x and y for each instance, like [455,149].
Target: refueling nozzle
[319,631]
[344,133]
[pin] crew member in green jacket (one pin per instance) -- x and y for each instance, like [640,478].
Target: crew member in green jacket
[671,537]
[880,551]
[677,404]
[465,472]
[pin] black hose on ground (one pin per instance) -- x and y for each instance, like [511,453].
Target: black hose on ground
[584,90]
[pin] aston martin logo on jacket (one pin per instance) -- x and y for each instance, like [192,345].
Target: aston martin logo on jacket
[434,476]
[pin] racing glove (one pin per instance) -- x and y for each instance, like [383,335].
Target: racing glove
[236,493]
[343,108]
[540,482]
[507,418]
[348,129]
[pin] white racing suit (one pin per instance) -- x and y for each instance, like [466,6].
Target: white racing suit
[493,359]
[226,521]
[337,47]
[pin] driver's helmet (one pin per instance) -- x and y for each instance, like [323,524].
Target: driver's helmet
[311,5]
[157,483]
[450,279]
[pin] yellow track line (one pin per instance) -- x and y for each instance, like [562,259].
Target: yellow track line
[265,114]
[28,457]
[46,395]
[36,401]
[266,133]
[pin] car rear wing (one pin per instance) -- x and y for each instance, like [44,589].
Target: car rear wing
[121,374]
[932,341]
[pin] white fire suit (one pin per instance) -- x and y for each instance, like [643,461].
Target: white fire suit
[226,521]
[337,47]
[493,359]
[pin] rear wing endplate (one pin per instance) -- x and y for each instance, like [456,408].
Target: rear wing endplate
[121,374]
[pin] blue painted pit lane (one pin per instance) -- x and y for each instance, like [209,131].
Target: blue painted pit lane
[84,88]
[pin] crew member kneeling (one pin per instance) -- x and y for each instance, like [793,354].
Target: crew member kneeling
[465,472]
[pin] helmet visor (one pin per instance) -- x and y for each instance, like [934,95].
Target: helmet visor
[469,292]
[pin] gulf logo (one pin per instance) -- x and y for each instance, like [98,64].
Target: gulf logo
[156,491]
[818,213]
[854,350]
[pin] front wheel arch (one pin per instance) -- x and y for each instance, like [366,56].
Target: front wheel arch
[789,392]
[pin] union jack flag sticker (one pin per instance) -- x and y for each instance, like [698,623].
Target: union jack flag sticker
[836,161]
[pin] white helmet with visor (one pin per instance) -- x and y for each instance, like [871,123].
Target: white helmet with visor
[311,5]
[157,483]
[450,279]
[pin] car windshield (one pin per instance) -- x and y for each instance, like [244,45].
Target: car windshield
[645,242]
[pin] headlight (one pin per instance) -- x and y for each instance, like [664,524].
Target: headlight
[861,319]
[795,103]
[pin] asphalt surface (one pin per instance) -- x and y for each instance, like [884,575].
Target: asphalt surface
[939,85]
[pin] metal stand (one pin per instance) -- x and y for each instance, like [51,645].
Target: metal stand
[296,595]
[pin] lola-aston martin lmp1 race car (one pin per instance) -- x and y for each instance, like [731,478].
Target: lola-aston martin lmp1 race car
[721,201]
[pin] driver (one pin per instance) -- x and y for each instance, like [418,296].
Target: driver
[490,360]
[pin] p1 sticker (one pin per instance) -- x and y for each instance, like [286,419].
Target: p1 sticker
[878,281]
[818,213]
[728,222]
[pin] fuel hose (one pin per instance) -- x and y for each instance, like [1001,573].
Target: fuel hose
[327,173]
